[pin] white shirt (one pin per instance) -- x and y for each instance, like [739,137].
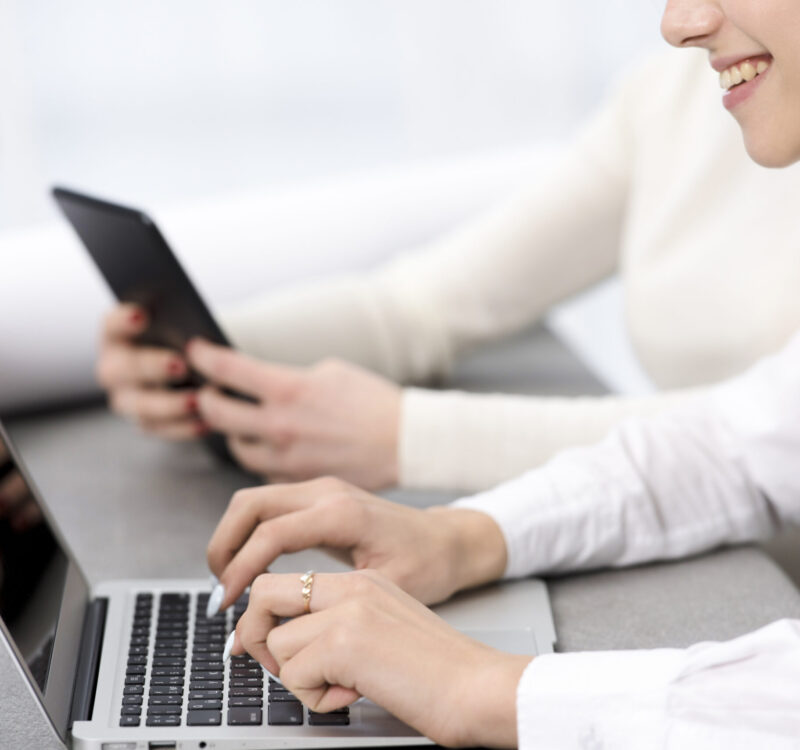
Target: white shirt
[640,191]
[725,468]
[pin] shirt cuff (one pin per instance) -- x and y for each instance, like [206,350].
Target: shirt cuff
[596,700]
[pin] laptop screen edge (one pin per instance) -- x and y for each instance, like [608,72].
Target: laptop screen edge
[57,697]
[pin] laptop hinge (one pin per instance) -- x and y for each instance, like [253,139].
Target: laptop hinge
[88,660]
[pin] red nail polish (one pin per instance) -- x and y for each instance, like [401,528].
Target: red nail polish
[176,368]
[191,402]
[137,317]
[202,429]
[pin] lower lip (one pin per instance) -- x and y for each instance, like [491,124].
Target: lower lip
[744,91]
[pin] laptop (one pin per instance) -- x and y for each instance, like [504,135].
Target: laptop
[135,664]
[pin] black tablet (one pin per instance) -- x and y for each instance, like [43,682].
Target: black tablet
[139,266]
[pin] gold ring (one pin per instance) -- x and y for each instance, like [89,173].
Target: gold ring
[307,580]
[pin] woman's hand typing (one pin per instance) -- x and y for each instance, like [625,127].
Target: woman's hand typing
[366,637]
[430,553]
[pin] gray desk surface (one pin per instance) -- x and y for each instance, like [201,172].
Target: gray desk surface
[134,507]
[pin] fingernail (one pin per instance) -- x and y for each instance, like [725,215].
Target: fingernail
[176,368]
[191,402]
[215,600]
[213,581]
[226,653]
[202,429]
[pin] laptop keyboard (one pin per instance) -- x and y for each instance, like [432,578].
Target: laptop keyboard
[160,691]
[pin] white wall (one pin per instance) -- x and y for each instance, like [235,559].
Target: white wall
[154,101]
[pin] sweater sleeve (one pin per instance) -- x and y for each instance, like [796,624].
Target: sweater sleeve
[481,440]
[410,318]
[736,695]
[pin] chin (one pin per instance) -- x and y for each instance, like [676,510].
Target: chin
[772,153]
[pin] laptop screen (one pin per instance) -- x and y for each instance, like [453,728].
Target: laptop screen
[42,594]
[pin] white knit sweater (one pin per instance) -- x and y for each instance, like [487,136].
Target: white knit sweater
[658,187]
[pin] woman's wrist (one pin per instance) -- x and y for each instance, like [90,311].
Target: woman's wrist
[491,714]
[476,547]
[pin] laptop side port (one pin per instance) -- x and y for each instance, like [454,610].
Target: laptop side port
[162,745]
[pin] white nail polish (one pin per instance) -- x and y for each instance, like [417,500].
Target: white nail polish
[215,600]
[213,581]
[226,653]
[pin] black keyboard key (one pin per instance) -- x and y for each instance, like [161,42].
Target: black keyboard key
[166,689]
[165,700]
[207,705]
[238,672]
[279,714]
[195,686]
[135,679]
[241,692]
[211,638]
[204,718]
[168,661]
[246,682]
[131,700]
[201,695]
[204,675]
[249,700]
[170,709]
[130,721]
[137,659]
[158,681]
[335,718]
[164,720]
[168,672]
[133,690]
[252,716]
[282,698]
[135,669]
[206,666]
[173,597]
[171,634]
[137,651]
[140,640]
[131,710]
[207,648]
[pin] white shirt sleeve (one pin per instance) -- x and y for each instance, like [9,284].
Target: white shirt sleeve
[721,469]
[738,695]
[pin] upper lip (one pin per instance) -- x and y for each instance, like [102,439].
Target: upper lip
[721,64]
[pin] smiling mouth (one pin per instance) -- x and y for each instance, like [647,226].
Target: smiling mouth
[744,72]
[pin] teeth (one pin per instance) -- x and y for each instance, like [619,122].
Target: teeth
[736,74]
[748,71]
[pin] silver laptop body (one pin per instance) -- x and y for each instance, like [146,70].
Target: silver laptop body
[73,644]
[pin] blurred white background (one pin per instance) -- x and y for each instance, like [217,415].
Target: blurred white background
[158,101]
[301,137]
